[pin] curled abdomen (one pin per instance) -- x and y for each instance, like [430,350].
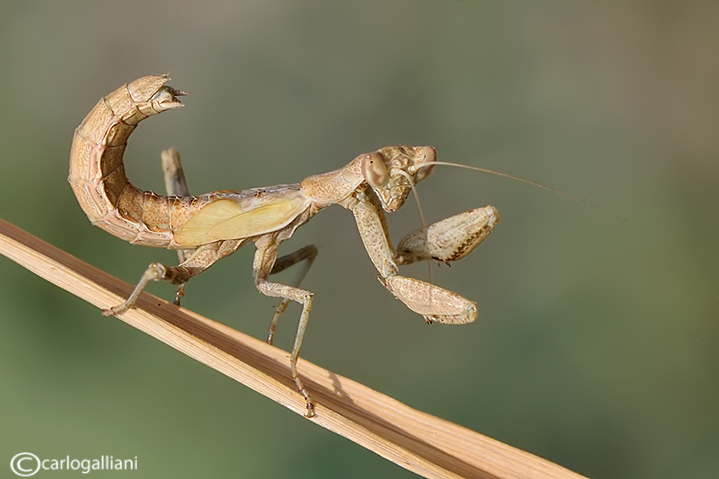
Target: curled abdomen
[97,173]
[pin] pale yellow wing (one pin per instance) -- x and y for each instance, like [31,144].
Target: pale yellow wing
[227,219]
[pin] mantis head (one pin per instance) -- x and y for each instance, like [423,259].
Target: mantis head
[392,171]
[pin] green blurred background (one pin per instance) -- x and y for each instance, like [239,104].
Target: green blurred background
[597,344]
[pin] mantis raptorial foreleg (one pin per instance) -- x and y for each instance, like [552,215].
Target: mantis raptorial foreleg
[450,239]
[443,241]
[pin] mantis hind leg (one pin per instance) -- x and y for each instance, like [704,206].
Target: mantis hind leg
[200,259]
[175,185]
[192,261]
[154,272]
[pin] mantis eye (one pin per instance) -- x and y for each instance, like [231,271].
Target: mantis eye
[425,155]
[374,170]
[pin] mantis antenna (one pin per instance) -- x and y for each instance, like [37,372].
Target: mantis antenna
[523,180]
[421,215]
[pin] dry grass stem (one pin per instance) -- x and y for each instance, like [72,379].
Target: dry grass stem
[424,444]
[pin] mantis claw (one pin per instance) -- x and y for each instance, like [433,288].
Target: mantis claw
[450,239]
[435,304]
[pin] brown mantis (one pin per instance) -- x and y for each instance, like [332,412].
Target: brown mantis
[212,226]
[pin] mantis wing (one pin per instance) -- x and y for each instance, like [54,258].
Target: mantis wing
[242,217]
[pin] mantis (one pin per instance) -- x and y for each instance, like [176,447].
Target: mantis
[209,227]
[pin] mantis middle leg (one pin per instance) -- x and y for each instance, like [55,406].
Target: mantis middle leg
[266,263]
[308,254]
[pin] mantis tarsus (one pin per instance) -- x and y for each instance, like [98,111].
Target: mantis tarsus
[212,226]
